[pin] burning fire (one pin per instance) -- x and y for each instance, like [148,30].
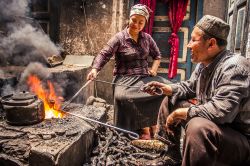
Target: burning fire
[51,101]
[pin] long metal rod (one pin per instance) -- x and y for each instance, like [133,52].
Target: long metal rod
[112,83]
[76,94]
[158,91]
[132,135]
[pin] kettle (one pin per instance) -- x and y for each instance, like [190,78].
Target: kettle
[23,108]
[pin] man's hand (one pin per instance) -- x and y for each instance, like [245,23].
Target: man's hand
[151,88]
[175,118]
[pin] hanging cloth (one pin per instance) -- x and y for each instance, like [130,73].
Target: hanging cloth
[151,4]
[176,12]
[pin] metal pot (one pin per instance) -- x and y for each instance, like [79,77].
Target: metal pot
[23,108]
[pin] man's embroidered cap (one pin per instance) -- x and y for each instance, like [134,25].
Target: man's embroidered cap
[214,26]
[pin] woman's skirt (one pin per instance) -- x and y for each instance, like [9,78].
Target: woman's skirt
[135,109]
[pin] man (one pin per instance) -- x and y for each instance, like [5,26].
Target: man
[217,126]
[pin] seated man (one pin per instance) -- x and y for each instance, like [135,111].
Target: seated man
[217,127]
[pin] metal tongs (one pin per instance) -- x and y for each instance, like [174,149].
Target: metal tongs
[157,91]
[131,134]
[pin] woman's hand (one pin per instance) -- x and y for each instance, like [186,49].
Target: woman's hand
[154,68]
[92,74]
[152,72]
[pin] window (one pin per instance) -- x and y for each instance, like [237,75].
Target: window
[239,28]
[236,17]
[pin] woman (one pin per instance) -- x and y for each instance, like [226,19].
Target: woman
[131,47]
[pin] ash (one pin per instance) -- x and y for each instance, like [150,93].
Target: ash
[113,148]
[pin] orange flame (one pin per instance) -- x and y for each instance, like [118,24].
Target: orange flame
[51,101]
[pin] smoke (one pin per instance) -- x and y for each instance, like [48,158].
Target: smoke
[40,71]
[27,44]
[36,69]
[13,84]
[20,41]
[13,8]
[64,83]
[23,43]
[7,90]
[6,84]
[1,74]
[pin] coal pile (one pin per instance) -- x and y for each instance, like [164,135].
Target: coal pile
[114,148]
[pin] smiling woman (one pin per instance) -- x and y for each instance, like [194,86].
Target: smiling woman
[131,47]
[136,24]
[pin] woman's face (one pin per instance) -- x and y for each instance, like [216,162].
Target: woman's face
[136,23]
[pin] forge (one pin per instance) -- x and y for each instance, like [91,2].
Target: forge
[55,141]
[39,140]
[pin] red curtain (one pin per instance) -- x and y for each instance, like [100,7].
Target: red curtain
[176,12]
[151,4]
